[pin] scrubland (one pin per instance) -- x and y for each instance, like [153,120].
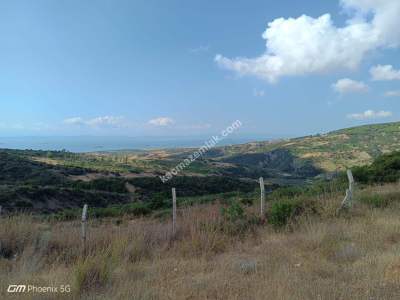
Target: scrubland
[317,254]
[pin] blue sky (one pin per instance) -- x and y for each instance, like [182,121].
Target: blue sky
[179,68]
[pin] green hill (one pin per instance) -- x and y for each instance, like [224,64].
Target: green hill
[49,181]
[329,152]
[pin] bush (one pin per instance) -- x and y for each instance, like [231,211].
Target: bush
[235,221]
[159,201]
[385,168]
[233,212]
[283,211]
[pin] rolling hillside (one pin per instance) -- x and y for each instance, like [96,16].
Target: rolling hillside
[291,160]
[49,181]
[329,152]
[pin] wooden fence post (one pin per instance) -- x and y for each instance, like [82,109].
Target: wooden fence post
[173,211]
[348,199]
[351,180]
[262,197]
[84,220]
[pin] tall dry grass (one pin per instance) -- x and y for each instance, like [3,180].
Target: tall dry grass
[320,256]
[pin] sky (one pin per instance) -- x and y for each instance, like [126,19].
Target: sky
[192,68]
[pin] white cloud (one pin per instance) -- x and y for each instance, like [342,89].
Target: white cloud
[392,93]
[161,121]
[258,93]
[74,121]
[370,114]
[386,72]
[347,85]
[102,121]
[105,121]
[307,45]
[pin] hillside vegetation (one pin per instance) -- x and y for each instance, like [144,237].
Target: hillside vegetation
[30,185]
[50,181]
[333,151]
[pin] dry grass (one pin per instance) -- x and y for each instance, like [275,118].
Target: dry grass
[354,256]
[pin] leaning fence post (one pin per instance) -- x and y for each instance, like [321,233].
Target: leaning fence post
[351,180]
[262,197]
[84,220]
[173,211]
[348,199]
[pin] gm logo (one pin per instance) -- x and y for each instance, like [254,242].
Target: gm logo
[14,288]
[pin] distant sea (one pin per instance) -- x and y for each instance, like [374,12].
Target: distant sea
[95,143]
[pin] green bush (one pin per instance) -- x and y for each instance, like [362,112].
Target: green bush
[385,168]
[233,212]
[235,220]
[283,211]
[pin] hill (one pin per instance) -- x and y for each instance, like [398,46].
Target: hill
[290,161]
[49,181]
[307,156]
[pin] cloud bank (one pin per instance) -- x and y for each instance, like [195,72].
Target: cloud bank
[161,121]
[307,45]
[370,114]
[102,121]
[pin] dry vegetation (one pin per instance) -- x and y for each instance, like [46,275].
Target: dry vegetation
[320,256]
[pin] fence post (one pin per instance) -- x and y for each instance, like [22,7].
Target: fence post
[351,180]
[0,209]
[348,199]
[262,197]
[173,211]
[84,220]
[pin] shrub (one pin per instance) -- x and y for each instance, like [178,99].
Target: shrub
[283,211]
[385,168]
[159,201]
[235,221]
[233,212]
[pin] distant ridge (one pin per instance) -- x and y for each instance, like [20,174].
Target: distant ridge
[335,150]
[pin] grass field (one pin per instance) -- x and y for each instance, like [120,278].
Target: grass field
[317,255]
